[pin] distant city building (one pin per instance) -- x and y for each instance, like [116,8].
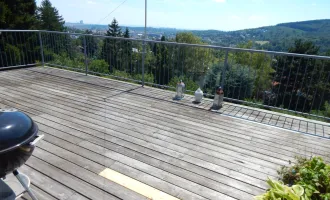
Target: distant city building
[81,21]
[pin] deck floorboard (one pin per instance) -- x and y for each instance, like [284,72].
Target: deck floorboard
[179,148]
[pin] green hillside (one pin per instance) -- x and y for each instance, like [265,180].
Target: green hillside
[275,38]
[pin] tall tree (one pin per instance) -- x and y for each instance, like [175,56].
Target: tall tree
[161,71]
[49,17]
[111,46]
[113,29]
[191,61]
[17,14]
[126,53]
[259,66]
[126,33]
[91,43]
[297,79]
[17,48]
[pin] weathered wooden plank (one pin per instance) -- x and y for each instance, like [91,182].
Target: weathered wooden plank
[47,184]
[232,112]
[139,165]
[86,175]
[155,181]
[40,194]
[213,175]
[65,113]
[154,128]
[257,126]
[258,144]
[82,90]
[129,145]
[107,80]
[67,179]
[95,80]
[32,102]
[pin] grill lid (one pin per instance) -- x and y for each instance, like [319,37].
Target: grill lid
[16,129]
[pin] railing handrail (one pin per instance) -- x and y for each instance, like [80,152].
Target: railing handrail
[183,44]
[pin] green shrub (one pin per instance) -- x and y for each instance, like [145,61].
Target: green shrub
[99,66]
[254,101]
[138,77]
[14,55]
[327,109]
[149,78]
[311,175]
[64,60]
[278,191]
[325,112]
[238,80]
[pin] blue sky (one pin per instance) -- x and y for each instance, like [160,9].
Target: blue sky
[194,14]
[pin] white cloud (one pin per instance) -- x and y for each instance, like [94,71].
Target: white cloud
[220,1]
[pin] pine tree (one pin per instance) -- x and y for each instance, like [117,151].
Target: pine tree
[91,43]
[16,48]
[114,29]
[126,33]
[49,17]
[17,14]
[111,47]
[161,69]
[127,52]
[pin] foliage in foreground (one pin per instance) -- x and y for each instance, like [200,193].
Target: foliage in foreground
[308,178]
[279,191]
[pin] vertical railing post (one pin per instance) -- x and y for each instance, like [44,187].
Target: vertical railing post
[41,50]
[85,53]
[224,70]
[143,58]
[144,40]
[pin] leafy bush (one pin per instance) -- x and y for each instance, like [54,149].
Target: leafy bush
[148,78]
[327,109]
[312,174]
[238,80]
[308,178]
[99,66]
[14,55]
[122,74]
[279,191]
[254,101]
[64,60]
[325,112]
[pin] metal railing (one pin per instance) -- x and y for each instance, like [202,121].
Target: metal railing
[288,82]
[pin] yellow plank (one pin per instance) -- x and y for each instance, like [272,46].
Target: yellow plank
[135,185]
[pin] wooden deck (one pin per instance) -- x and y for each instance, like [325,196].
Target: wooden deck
[92,123]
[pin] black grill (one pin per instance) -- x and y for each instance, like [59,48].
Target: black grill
[17,131]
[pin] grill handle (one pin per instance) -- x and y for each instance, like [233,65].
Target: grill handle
[36,140]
